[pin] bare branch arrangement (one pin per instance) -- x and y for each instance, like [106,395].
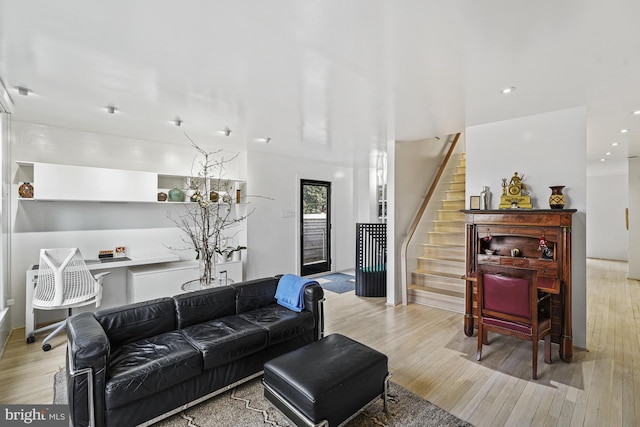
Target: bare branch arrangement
[209,221]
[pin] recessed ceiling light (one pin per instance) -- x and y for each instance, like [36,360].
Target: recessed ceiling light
[624,130]
[111,109]
[636,113]
[23,90]
[608,153]
[614,144]
[602,160]
[507,90]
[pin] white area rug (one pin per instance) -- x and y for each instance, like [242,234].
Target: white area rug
[245,406]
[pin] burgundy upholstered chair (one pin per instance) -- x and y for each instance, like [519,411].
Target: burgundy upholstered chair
[508,303]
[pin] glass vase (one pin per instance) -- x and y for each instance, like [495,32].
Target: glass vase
[207,269]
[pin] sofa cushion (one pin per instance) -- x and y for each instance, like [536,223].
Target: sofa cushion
[225,340]
[255,294]
[133,322]
[281,323]
[197,307]
[142,368]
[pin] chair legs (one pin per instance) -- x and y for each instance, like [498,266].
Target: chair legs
[547,349]
[547,355]
[482,334]
[45,342]
[57,327]
[534,359]
[482,338]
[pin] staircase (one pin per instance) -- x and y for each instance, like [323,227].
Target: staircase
[438,282]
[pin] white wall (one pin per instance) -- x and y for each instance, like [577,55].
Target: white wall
[607,199]
[633,267]
[362,184]
[273,245]
[546,149]
[273,238]
[394,285]
[5,317]
[142,228]
[416,164]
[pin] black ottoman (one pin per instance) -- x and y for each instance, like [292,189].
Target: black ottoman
[326,382]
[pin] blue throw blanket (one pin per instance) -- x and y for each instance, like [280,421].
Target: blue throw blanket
[290,291]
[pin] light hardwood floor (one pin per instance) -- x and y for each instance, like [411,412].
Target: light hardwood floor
[430,355]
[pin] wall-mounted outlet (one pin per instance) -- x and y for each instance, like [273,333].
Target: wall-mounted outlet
[10,302]
[288,214]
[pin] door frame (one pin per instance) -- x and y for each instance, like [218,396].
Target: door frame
[320,267]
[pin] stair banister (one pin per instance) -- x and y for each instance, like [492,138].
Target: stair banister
[416,219]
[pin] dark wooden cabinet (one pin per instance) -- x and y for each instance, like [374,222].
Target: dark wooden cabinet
[512,238]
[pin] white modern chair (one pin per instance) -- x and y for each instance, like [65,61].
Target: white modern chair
[64,282]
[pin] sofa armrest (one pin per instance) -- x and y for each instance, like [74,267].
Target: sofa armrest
[88,350]
[313,302]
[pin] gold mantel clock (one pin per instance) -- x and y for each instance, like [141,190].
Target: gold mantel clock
[514,194]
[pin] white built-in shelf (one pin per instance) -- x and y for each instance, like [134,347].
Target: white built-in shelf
[70,183]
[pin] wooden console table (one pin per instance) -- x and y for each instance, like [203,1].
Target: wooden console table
[490,237]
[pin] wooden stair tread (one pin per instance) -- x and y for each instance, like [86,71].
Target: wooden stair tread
[445,250]
[444,245]
[440,274]
[446,260]
[443,258]
[420,288]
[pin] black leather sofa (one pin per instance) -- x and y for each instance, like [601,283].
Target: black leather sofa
[141,362]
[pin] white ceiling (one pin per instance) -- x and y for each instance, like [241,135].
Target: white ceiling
[327,79]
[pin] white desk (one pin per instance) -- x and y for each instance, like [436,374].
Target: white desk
[156,281]
[142,259]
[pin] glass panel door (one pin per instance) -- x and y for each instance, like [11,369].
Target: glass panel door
[315,227]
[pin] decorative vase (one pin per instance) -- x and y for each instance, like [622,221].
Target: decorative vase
[556,200]
[176,195]
[162,196]
[26,190]
[206,271]
[485,198]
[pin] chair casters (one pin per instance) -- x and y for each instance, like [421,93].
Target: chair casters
[45,346]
